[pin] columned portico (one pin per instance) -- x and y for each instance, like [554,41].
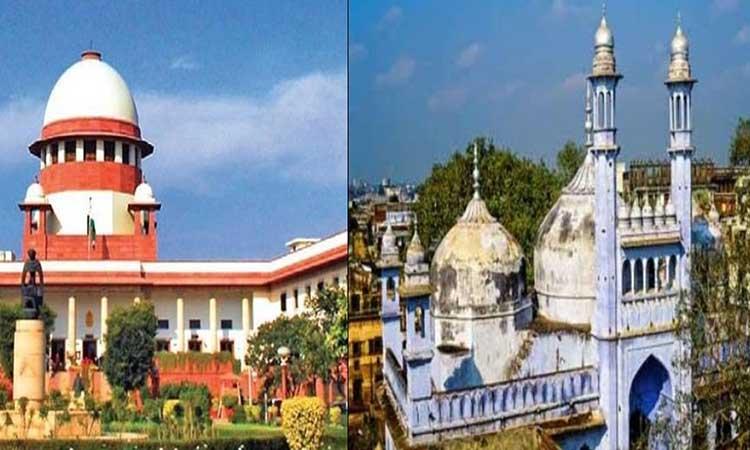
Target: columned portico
[70,341]
[212,327]
[245,325]
[180,325]
[104,313]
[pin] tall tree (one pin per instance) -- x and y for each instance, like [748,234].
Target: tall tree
[517,191]
[131,342]
[739,150]
[569,159]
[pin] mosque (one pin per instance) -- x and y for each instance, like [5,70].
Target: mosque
[92,219]
[466,352]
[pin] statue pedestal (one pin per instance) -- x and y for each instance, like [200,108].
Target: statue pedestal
[28,362]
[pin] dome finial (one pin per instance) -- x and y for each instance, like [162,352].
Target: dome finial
[476,173]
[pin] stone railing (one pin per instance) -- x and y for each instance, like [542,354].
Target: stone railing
[653,311]
[513,403]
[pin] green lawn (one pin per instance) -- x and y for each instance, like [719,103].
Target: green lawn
[335,435]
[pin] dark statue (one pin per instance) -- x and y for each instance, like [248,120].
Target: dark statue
[32,286]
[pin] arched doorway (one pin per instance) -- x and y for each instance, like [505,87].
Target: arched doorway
[650,392]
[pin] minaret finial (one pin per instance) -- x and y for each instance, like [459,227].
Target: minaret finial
[476,173]
[679,18]
[604,9]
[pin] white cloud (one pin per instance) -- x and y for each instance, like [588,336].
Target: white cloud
[469,55]
[508,89]
[574,81]
[562,9]
[184,62]
[21,122]
[743,35]
[296,131]
[722,6]
[357,51]
[398,73]
[449,98]
[391,17]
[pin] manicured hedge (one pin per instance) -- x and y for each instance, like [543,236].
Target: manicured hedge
[212,444]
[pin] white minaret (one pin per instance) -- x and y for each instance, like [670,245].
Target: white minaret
[604,149]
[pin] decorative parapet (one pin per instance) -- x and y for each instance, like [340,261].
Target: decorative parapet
[495,407]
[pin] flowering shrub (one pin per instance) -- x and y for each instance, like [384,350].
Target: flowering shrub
[303,421]
[334,415]
[252,412]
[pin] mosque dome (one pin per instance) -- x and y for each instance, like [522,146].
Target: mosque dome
[144,193]
[604,35]
[90,97]
[565,245]
[477,266]
[34,193]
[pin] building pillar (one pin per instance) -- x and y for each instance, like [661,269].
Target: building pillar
[212,347]
[118,151]
[79,150]
[104,312]
[245,327]
[70,341]
[99,150]
[180,325]
[60,152]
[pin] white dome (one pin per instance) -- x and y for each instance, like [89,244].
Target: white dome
[34,194]
[144,193]
[90,88]
[564,247]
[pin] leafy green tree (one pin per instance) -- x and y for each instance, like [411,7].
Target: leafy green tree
[329,309]
[569,159]
[517,191]
[308,360]
[739,150]
[131,340]
[9,313]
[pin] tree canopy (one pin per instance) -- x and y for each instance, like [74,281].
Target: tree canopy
[569,159]
[131,342]
[518,191]
[739,150]
[329,308]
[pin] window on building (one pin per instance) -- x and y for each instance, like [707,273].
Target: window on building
[308,291]
[355,303]
[650,275]
[390,288]
[335,281]
[70,151]
[226,345]
[296,298]
[163,324]
[109,151]
[137,157]
[376,345]
[403,318]
[194,344]
[226,324]
[162,345]
[89,150]
[321,285]
[126,153]
[144,222]
[53,149]
[283,301]
[356,364]
[419,321]
[638,276]
[672,270]
[194,324]
[356,349]
[626,278]
[357,391]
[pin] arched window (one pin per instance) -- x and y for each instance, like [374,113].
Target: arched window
[390,288]
[609,109]
[419,321]
[638,276]
[600,111]
[661,274]
[650,275]
[679,112]
[672,270]
[626,278]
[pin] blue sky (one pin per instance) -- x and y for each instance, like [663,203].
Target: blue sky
[244,101]
[426,78]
